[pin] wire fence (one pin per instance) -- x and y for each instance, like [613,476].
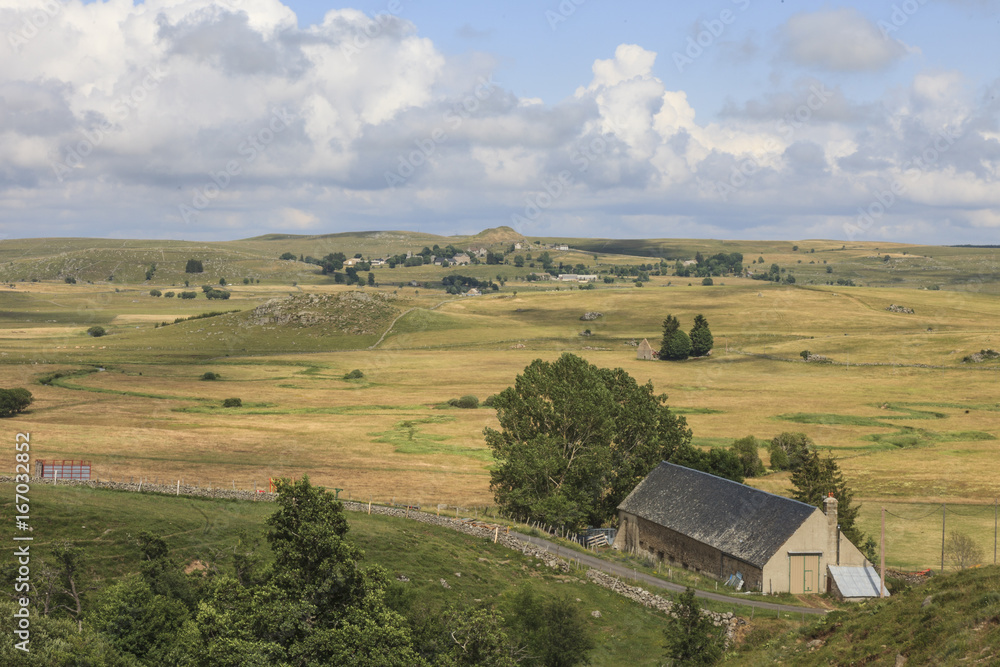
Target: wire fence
[940,537]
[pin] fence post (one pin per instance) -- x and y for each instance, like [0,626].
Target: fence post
[496,534]
[178,488]
[369,504]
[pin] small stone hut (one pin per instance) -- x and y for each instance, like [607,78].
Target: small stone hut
[721,528]
[645,351]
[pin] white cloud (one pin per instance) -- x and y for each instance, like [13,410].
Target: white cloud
[839,40]
[116,117]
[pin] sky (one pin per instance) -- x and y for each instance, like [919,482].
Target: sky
[734,119]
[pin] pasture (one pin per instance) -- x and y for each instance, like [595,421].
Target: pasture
[907,420]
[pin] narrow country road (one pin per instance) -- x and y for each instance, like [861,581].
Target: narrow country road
[627,573]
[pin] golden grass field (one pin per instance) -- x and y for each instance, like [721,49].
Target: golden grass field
[921,429]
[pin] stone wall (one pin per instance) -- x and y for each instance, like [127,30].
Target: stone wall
[479,529]
[728,620]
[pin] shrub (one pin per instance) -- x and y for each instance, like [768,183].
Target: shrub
[468,402]
[96,331]
[354,375]
[209,375]
[14,401]
[194,266]
[490,400]
[232,403]
[188,295]
[169,295]
[805,354]
[217,294]
[155,292]
[707,282]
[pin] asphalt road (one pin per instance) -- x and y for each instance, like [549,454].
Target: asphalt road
[628,574]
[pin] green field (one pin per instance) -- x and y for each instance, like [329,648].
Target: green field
[909,422]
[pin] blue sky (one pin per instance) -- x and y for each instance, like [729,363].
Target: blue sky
[218,119]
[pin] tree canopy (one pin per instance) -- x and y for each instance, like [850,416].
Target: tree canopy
[701,337]
[14,401]
[675,345]
[575,439]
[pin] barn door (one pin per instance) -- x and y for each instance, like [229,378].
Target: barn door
[803,573]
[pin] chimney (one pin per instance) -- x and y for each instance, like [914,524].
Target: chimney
[833,530]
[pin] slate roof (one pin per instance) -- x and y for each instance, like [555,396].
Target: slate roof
[738,520]
[856,582]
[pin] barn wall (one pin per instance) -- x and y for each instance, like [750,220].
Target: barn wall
[643,536]
[812,535]
[850,554]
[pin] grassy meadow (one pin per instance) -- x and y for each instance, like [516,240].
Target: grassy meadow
[909,422]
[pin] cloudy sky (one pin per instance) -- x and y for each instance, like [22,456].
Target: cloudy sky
[224,119]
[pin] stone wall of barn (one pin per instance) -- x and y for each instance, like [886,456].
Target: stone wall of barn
[678,550]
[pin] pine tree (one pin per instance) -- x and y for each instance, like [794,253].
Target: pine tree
[676,344]
[815,479]
[701,337]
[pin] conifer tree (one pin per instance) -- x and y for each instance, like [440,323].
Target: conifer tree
[701,337]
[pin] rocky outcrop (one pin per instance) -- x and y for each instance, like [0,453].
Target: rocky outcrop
[590,316]
[903,310]
[357,313]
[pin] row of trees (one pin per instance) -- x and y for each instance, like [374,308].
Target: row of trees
[677,345]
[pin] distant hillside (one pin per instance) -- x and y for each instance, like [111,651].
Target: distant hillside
[952,620]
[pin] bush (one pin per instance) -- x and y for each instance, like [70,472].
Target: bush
[194,266]
[155,292]
[96,332]
[209,375]
[188,295]
[468,402]
[169,295]
[217,294]
[354,375]
[14,401]
[707,282]
[490,400]
[232,403]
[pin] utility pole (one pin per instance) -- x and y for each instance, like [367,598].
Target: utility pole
[944,515]
[881,590]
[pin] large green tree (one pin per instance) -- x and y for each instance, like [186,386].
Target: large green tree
[675,344]
[701,337]
[575,439]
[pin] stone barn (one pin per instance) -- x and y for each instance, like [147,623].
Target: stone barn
[644,351]
[721,528]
